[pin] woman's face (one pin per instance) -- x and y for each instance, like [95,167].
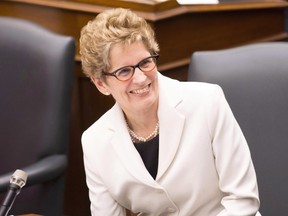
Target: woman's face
[138,94]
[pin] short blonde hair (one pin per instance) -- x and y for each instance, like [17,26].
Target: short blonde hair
[108,28]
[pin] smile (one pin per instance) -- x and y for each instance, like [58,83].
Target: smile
[141,91]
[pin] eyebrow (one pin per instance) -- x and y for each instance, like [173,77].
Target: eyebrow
[130,65]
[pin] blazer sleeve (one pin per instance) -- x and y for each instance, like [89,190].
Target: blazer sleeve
[102,203]
[237,178]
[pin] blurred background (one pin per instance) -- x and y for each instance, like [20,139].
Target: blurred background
[180,31]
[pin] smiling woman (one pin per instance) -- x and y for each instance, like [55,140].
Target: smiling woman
[136,94]
[158,130]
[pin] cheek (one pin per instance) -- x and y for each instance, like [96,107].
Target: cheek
[119,92]
[154,78]
[153,75]
[114,87]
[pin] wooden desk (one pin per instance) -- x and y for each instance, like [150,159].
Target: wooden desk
[29,215]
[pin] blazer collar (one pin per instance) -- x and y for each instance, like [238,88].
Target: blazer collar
[125,150]
[171,123]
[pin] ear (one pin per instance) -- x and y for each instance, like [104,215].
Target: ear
[100,85]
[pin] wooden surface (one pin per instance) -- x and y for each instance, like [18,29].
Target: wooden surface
[180,30]
[29,215]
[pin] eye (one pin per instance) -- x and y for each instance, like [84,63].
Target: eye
[124,71]
[146,63]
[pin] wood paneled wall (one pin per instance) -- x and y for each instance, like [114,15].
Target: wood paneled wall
[180,30]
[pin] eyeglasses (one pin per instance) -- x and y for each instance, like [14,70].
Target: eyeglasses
[127,72]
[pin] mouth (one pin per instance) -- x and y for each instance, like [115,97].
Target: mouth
[141,91]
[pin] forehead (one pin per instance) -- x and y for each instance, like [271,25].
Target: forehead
[123,55]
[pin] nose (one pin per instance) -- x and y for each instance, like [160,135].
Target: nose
[139,76]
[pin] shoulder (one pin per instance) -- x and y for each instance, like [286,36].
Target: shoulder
[189,90]
[201,90]
[200,97]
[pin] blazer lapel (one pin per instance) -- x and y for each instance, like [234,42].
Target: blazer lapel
[125,149]
[171,123]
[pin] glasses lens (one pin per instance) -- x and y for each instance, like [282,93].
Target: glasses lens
[124,73]
[148,64]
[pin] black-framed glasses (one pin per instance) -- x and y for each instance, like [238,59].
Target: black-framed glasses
[125,73]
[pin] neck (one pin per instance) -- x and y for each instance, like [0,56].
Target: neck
[142,125]
[142,120]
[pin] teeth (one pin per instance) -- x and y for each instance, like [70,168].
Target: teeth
[141,91]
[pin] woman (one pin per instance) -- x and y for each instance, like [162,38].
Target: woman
[166,147]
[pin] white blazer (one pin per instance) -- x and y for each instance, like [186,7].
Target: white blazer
[205,167]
